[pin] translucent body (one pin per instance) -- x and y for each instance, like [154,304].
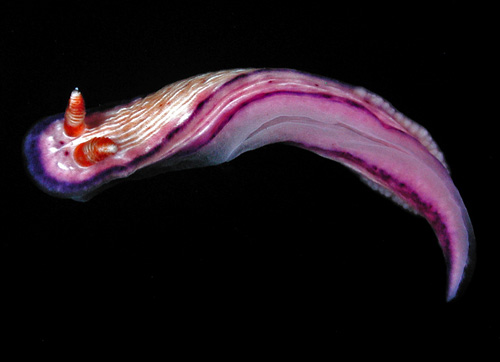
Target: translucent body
[213,118]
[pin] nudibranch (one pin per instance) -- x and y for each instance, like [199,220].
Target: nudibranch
[212,118]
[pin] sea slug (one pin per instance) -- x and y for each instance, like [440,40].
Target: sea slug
[212,118]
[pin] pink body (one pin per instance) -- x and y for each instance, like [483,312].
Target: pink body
[212,118]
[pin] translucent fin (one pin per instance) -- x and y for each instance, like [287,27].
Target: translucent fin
[387,193]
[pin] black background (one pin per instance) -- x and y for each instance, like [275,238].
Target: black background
[278,248]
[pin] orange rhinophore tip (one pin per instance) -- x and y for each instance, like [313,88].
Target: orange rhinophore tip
[74,118]
[93,151]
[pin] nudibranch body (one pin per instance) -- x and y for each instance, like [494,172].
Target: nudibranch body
[213,118]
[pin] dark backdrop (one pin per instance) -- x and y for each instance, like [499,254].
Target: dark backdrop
[278,248]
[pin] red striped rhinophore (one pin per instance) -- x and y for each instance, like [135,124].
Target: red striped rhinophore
[93,151]
[74,118]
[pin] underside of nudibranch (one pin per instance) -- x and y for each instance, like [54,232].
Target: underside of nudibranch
[213,118]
